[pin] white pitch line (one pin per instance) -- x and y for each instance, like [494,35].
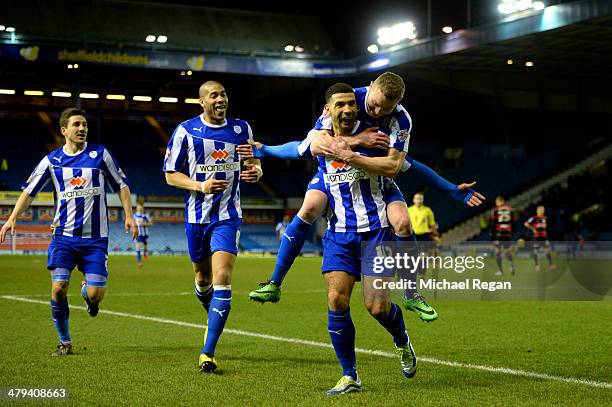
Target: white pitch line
[491,369]
[164,294]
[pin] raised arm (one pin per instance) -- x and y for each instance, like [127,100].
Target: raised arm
[287,151]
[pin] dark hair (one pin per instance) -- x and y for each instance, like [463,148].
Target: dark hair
[391,85]
[337,88]
[68,113]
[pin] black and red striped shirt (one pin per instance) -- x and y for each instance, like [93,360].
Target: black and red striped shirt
[539,224]
[501,220]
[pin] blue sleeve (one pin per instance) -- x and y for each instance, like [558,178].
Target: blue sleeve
[431,178]
[288,151]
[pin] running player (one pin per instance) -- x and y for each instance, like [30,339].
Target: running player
[79,172]
[202,159]
[501,233]
[143,221]
[378,106]
[538,225]
[354,187]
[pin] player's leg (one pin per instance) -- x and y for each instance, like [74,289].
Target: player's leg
[397,214]
[292,241]
[342,330]
[60,262]
[223,237]
[509,256]
[198,243]
[222,264]
[341,252]
[498,257]
[378,301]
[139,252]
[548,252]
[60,311]
[145,248]
[536,249]
[93,261]
[203,285]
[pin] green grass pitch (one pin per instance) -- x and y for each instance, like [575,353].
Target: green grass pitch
[124,359]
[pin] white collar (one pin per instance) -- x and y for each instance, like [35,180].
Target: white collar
[75,154]
[212,125]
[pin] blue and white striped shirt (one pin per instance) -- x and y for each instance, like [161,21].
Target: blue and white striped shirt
[79,182]
[141,220]
[356,197]
[205,151]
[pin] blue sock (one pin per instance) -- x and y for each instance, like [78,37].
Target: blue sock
[394,324]
[60,313]
[138,256]
[289,249]
[204,294]
[342,334]
[409,245]
[220,306]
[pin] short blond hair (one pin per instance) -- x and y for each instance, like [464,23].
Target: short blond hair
[391,85]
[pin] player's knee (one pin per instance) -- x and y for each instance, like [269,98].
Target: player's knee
[59,290]
[379,309]
[337,301]
[202,280]
[96,295]
[308,213]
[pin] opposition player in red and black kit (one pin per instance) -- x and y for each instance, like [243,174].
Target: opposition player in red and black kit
[537,224]
[501,233]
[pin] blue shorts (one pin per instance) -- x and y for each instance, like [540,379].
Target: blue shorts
[392,191]
[317,182]
[353,252]
[90,255]
[142,239]
[205,239]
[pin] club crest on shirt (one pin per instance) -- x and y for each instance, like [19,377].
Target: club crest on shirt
[403,135]
[93,154]
[237,129]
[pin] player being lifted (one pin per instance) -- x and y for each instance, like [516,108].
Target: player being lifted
[202,159]
[354,187]
[143,222]
[537,224]
[378,106]
[79,172]
[501,233]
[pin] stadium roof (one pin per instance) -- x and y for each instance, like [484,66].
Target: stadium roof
[572,37]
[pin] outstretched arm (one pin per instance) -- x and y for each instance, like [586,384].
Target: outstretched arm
[287,151]
[462,192]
